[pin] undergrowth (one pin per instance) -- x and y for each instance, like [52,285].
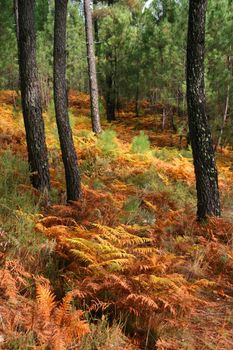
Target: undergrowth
[19,207]
[127,266]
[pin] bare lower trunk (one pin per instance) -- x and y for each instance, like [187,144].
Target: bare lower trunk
[96,127]
[208,203]
[224,118]
[61,102]
[164,119]
[110,98]
[31,97]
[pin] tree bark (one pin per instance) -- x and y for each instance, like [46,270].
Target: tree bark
[219,143]
[110,95]
[208,203]
[31,98]
[95,118]
[16,12]
[69,156]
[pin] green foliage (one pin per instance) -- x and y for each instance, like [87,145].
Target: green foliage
[148,181]
[103,337]
[98,184]
[107,142]
[8,48]
[171,153]
[22,342]
[182,194]
[141,143]
[18,207]
[132,204]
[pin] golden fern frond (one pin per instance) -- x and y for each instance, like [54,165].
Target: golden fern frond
[105,246]
[108,233]
[120,254]
[112,265]
[144,251]
[83,244]
[45,301]
[83,256]
[63,309]
[121,236]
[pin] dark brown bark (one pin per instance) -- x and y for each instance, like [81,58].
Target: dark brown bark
[110,94]
[96,127]
[110,97]
[31,99]
[208,203]
[219,143]
[69,156]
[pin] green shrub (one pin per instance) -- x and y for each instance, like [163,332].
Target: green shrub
[148,181]
[107,142]
[18,207]
[141,143]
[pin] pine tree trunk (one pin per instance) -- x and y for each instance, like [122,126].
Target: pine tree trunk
[96,127]
[31,98]
[61,102]
[110,90]
[16,13]
[219,143]
[208,203]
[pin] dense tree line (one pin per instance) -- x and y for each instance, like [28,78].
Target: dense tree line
[141,53]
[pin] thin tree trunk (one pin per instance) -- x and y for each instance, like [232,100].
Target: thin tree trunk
[110,92]
[31,97]
[16,12]
[96,30]
[61,102]
[208,203]
[96,127]
[137,96]
[110,84]
[164,119]
[224,118]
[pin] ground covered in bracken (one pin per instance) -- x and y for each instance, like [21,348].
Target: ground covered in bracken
[127,266]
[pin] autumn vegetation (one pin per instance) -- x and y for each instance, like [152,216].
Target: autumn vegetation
[128,258]
[116,175]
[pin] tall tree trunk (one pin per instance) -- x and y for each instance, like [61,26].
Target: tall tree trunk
[224,118]
[110,98]
[208,203]
[31,99]
[137,101]
[61,102]
[95,118]
[16,12]
[110,95]
[96,30]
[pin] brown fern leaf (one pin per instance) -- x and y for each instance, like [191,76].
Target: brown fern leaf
[119,282]
[50,221]
[142,302]
[8,285]
[63,310]
[45,302]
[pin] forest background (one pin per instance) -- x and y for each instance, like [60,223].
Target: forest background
[128,258]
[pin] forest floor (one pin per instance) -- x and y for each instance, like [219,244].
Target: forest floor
[129,258]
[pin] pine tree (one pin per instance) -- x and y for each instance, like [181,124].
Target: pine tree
[208,203]
[31,99]
[61,102]
[96,127]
